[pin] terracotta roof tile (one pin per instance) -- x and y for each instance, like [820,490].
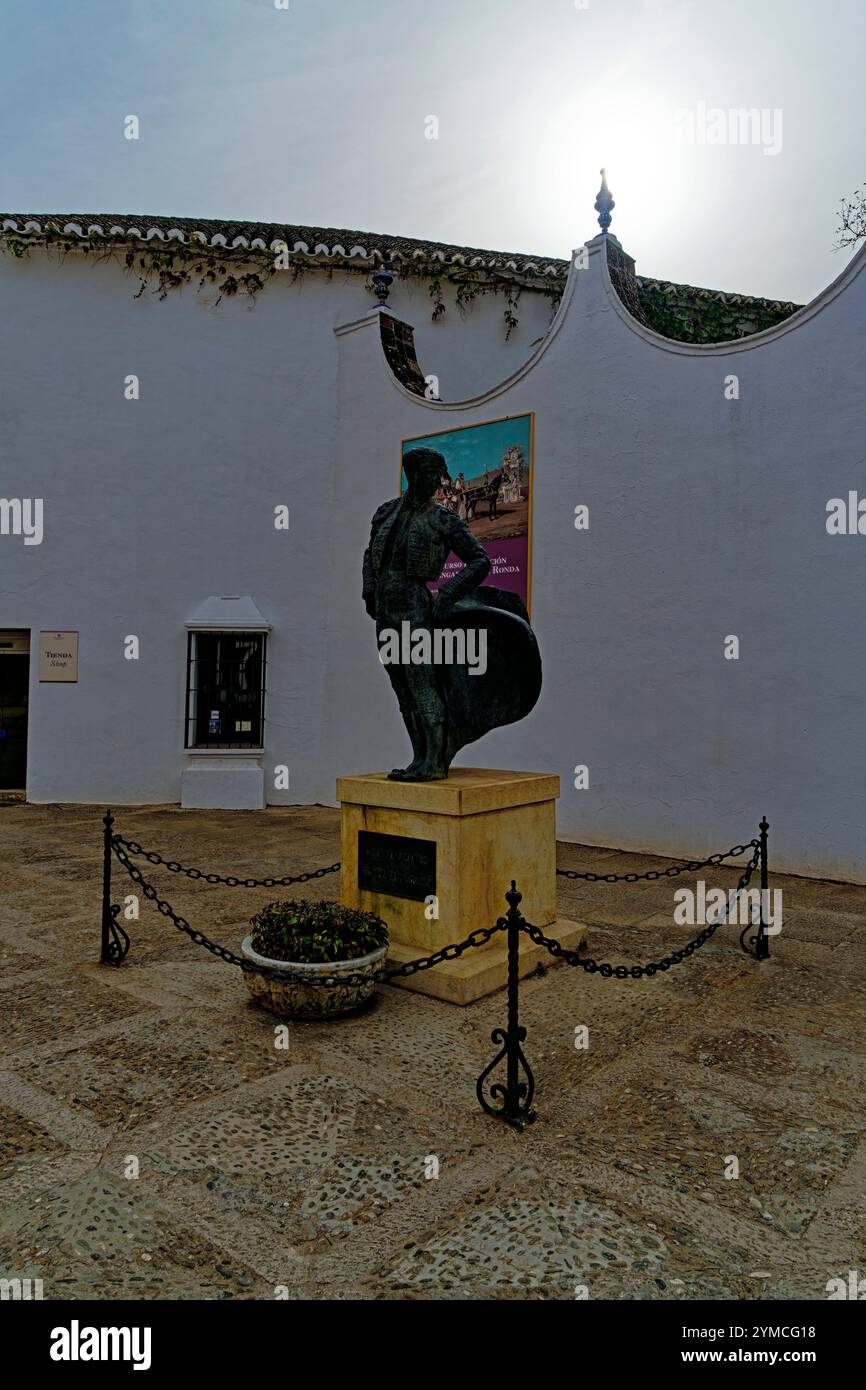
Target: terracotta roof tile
[684,312]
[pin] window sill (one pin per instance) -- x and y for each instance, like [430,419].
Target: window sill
[224,752]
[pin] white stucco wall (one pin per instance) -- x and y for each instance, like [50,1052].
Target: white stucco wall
[707,517]
[153,505]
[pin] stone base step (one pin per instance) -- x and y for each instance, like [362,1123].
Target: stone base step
[482,971]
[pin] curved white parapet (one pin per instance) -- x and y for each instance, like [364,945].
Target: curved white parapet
[487,396]
[575,312]
[795,321]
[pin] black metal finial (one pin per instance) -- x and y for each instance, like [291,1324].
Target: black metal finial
[514,897]
[382,282]
[604,204]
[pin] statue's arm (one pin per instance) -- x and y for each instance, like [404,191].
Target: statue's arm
[368,584]
[368,587]
[475,560]
[368,579]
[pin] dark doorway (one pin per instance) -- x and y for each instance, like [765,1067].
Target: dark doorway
[14,691]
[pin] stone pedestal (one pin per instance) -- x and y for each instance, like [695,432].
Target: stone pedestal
[459,841]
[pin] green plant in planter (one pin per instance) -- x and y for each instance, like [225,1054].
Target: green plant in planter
[314,933]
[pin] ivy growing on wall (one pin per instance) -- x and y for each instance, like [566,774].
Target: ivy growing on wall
[160,268]
[691,315]
[683,313]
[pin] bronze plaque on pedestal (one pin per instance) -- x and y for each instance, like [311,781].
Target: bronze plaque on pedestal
[396,865]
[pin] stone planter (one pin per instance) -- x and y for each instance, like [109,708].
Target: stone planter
[295,999]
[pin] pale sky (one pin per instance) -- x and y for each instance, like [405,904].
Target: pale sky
[318,113]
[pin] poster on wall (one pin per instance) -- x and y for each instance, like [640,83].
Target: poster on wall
[488,483]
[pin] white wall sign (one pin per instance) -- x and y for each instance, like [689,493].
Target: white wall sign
[58,656]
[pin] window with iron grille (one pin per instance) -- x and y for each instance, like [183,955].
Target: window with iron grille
[225,705]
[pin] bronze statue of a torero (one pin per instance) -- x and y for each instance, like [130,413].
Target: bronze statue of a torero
[444,706]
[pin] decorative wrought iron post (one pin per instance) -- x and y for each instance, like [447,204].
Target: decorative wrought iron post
[762,943]
[105,953]
[516,1108]
[115,942]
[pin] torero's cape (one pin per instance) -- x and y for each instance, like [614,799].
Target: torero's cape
[510,686]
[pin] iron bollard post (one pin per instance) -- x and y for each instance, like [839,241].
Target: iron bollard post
[115,942]
[516,1108]
[105,953]
[762,943]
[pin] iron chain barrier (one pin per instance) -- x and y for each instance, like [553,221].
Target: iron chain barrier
[122,849]
[636,972]
[689,867]
[228,880]
[515,1094]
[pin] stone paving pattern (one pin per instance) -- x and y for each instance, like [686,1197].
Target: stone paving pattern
[304,1173]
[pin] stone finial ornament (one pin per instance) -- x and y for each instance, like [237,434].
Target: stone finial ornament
[604,204]
[382,282]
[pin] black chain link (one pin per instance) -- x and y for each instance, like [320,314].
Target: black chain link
[229,880]
[636,972]
[451,952]
[411,967]
[672,872]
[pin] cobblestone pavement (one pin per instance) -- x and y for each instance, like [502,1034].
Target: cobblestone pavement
[308,1168]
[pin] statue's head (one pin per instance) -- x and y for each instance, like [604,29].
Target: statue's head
[424,469]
